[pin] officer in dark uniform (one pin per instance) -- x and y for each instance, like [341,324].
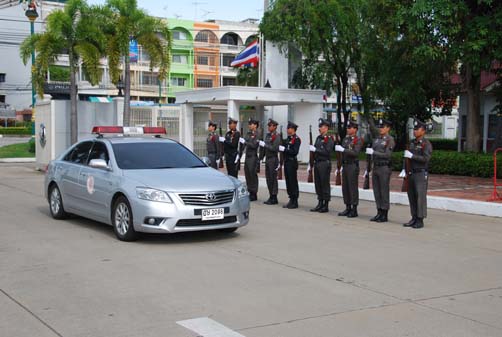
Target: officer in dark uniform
[271,146]
[350,148]
[251,143]
[290,150]
[231,147]
[322,148]
[382,169]
[420,153]
[212,145]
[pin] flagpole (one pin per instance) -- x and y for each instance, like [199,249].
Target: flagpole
[260,63]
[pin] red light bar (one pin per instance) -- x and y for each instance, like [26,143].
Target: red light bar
[154,129]
[107,129]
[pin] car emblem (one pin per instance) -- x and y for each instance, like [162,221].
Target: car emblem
[210,196]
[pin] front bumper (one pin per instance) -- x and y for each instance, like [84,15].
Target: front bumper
[177,217]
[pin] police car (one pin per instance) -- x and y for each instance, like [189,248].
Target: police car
[137,180]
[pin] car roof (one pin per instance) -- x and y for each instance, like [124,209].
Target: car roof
[128,140]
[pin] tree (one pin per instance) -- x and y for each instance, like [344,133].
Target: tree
[72,31]
[247,76]
[123,21]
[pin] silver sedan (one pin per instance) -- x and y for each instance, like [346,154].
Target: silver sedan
[152,185]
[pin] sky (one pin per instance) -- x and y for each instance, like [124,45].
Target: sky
[201,10]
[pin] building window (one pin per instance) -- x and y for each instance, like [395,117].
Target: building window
[2,77]
[150,79]
[178,35]
[203,60]
[178,81]
[229,81]
[183,59]
[204,83]
[229,39]
[2,98]
[227,60]
[202,37]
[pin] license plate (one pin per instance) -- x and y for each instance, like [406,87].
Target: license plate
[213,214]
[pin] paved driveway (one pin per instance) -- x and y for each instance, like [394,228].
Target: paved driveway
[288,273]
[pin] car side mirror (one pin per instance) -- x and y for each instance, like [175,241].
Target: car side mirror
[206,161]
[99,164]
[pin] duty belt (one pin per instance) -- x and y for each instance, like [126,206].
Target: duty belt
[349,162]
[382,163]
[418,170]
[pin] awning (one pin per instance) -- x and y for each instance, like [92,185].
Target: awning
[100,99]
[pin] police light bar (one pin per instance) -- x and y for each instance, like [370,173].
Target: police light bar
[128,130]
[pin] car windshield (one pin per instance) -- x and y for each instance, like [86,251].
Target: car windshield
[151,156]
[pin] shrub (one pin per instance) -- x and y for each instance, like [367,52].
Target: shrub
[444,144]
[31,145]
[15,131]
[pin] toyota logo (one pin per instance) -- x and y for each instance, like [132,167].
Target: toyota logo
[210,196]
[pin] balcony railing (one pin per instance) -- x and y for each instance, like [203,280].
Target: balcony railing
[229,48]
[200,67]
[182,44]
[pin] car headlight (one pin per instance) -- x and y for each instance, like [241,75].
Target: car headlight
[152,195]
[242,191]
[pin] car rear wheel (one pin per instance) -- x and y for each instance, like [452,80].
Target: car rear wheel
[56,203]
[228,230]
[122,220]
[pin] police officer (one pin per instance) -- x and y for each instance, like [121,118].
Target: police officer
[350,148]
[231,147]
[271,147]
[419,154]
[212,145]
[290,150]
[251,143]
[382,169]
[322,149]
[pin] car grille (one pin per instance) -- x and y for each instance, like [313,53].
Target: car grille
[199,222]
[207,198]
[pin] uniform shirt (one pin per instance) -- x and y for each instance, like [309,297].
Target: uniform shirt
[231,144]
[422,152]
[272,142]
[352,146]
[324,146]
[252,143]
[292,147]
[383,147]
[212,143]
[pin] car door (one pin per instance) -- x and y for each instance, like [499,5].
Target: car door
[96,184]
[70,170]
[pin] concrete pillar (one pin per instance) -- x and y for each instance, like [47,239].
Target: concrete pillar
[233,110]
[187,125]
[118,106]
[305,114]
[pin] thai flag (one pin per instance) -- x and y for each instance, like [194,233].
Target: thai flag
[249,56]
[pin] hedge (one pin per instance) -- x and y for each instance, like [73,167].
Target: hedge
[444,144]
[456,163]
[31,145]
[15,131]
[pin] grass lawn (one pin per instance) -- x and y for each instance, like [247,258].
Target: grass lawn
[16,151]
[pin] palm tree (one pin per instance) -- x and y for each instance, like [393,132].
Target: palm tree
[125,22]
[73,32]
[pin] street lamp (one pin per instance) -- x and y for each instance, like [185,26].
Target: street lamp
[120,85]
[32,15]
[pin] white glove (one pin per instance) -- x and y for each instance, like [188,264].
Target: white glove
[242,140]
[370,151]
[339,148]
[281,148]
[365,174]
[217,162]
[312,148]
[408,154]
[262,143]
[309,168]
[402,174]
[338,171]
[278,167]
[222,139]
[237,159]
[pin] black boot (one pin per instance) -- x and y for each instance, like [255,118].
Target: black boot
[294,203]
[378,216]
[253,197]
[288,205]
[353,212]
[269,200]
[318,207]
[346,212]
[419,223]
[274,200]
[383,217]
[410,223]
[324,208]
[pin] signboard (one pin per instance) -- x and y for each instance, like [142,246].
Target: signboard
[133,51]
[57,88]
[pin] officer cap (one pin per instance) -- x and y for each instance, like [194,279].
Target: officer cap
[232,121]
[272,122]
[211,123]
[417,124]
[384,122]
[352,124]
[292,125]
[253,121]
[323,121]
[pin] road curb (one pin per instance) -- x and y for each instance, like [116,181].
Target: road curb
[17,160]
[433,202]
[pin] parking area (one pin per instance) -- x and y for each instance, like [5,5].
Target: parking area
[289,273]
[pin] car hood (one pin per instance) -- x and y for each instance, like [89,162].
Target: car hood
[182,180]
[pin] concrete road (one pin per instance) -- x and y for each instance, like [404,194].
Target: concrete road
[9,140]
[288,273]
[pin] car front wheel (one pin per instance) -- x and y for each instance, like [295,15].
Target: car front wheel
[56,203]
[122,220]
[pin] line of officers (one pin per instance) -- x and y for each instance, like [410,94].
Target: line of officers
[418,155]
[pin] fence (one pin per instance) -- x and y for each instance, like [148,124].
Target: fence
[165,116]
